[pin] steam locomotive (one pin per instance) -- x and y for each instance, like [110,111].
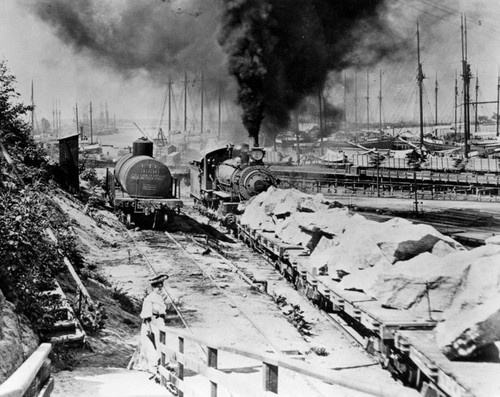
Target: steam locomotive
[142,189]
[225,177]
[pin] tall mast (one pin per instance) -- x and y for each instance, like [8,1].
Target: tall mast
[76,116]
[367,99]
[498,104]
[466,79]
[356,97]
[169,105]
[345,100]
[420,79]
[32,110]
[59,117]
[201,122]
[107,115]
[436,100]
[185,100]
[219,110]
[91,131]
[476,124]
[456,105]
[320,119]
[380,102]
[54,131]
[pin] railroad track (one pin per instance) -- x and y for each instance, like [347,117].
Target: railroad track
[210,279]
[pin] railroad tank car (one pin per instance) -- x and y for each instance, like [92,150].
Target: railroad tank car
[227,176]
[142,189]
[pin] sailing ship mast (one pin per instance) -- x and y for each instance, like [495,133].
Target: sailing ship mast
[91,131]
[367,99]
[356,98]
[466,75]
[498,105]
[380,102]
[456,105]
[436,88]
[420,79]
[202,93]
[76,116]
[32,110]
[320,101]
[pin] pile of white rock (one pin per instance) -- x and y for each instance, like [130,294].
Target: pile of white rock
[403,265]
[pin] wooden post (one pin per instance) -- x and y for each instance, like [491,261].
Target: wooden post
[180,371]
[270,377]
[212,363]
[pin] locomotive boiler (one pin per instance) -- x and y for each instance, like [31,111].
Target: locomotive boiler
[142,189]
[227,176]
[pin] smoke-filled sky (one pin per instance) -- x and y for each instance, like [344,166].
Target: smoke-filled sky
[123,52]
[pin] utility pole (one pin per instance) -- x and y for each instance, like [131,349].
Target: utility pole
[380,102]
[436,99]
[466,78]
[420,79]
[367,99]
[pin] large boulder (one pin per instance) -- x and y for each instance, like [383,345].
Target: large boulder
[472,322]
[427,280]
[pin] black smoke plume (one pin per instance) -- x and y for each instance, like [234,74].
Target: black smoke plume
[151,37]
[281,51]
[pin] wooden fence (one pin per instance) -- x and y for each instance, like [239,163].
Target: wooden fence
[270,368]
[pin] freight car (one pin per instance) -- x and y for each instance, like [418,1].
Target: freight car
[227,176]
[403,341]
[142,189]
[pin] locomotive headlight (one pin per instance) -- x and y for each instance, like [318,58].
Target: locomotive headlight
[257,154]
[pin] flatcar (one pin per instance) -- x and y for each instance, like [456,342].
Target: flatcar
[141,189]
[227,176]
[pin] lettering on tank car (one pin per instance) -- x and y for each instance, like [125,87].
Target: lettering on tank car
[147,177]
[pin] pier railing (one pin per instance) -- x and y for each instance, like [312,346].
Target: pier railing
[270,368]
[33,378]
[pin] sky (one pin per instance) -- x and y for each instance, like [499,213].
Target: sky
[136,47]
